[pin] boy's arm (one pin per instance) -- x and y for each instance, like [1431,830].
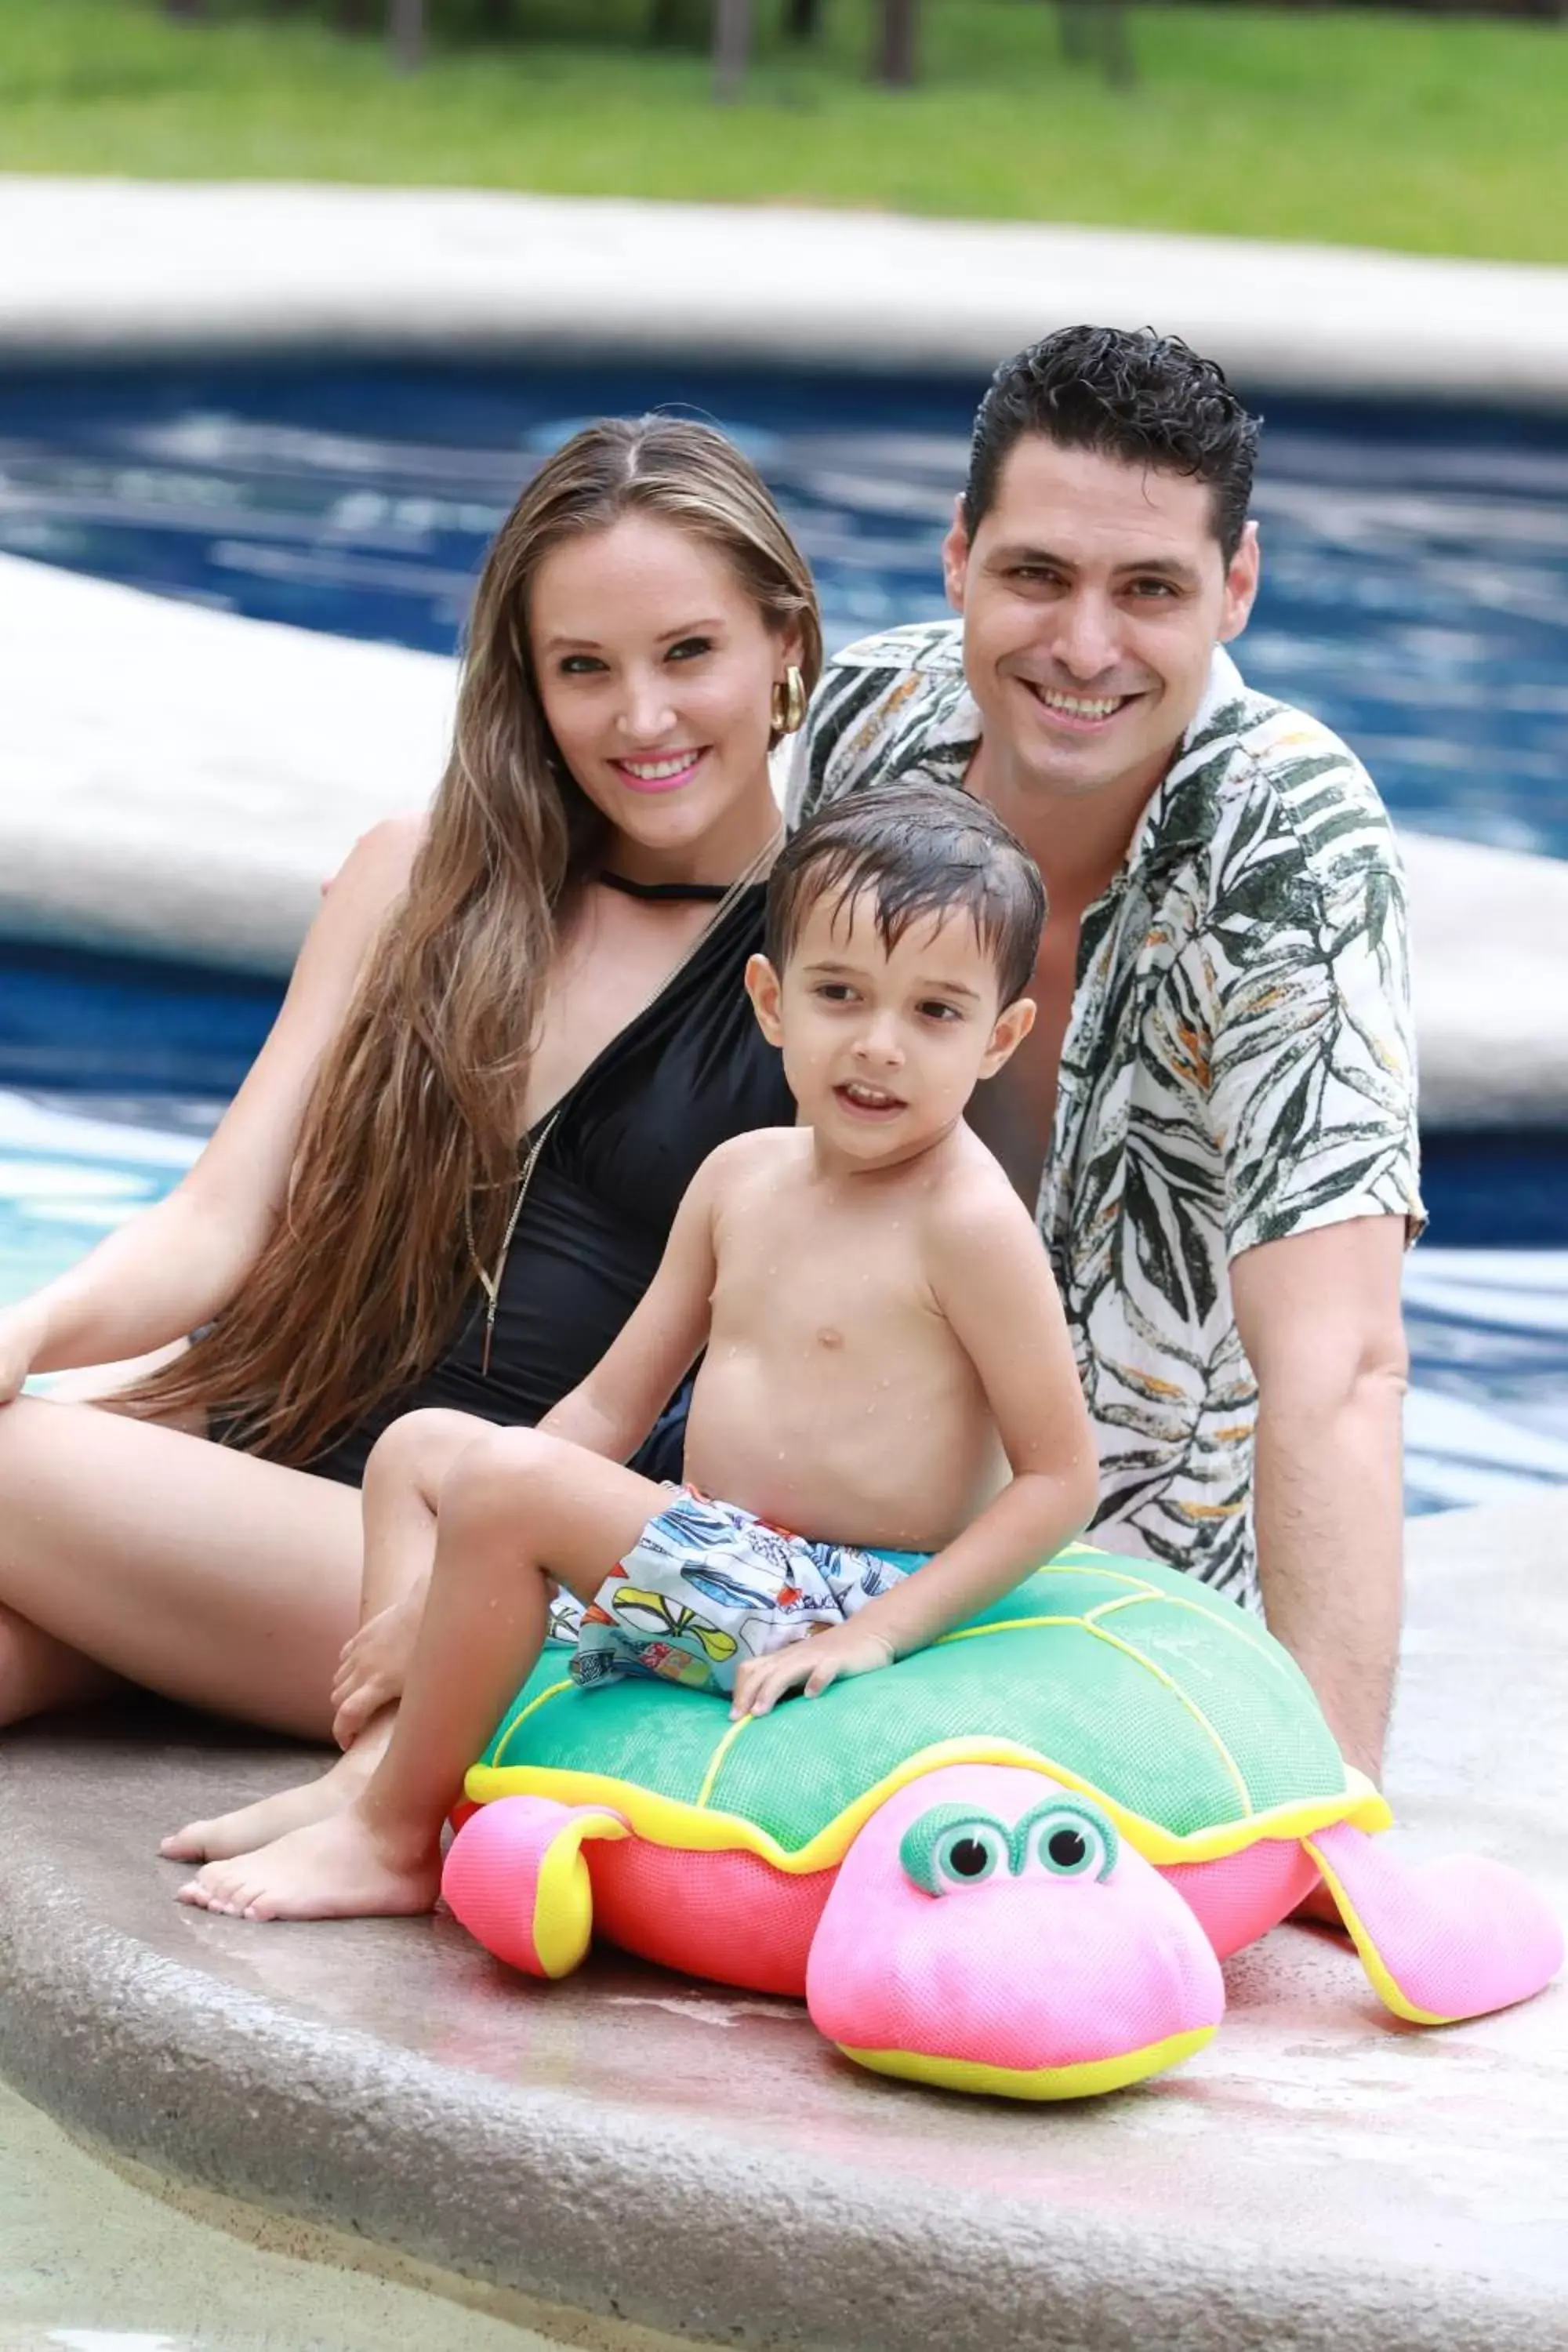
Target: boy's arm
[613,1410]
[992,1281]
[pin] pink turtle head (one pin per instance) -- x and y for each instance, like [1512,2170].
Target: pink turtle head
[992,1930]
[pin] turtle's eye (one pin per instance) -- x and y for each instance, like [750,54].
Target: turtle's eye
[1069,1839]
[950,1848]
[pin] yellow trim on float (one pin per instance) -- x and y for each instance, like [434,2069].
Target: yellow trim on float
[1087,1561]
[1088,2080]
[1087,1624]
[716,1761]
[1169,1682]
[1269,1654]
[671,1822]
[1004,1625]
[1371,1959]
[532,1708]
[563,1894]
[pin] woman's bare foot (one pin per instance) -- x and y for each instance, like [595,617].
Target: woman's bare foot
[337,1869]
[251,1826]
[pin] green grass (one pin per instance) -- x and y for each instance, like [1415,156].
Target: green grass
[1426,134]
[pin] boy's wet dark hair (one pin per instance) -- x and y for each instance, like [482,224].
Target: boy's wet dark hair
[1145,398]
[916,850]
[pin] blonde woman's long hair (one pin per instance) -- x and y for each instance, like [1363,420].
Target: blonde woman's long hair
[409,1143]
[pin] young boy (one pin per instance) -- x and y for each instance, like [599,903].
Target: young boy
[887,1369]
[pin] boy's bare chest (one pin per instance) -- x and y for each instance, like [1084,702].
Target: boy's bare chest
[826,1289]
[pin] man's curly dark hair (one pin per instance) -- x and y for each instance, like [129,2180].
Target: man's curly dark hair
[1133,394]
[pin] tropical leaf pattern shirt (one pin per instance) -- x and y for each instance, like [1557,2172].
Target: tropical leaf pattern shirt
[1238,1063]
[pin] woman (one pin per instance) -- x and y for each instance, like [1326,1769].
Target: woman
[554,954]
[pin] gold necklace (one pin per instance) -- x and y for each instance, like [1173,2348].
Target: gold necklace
[491,1283]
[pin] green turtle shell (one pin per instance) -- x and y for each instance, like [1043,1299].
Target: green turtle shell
[1128,1680]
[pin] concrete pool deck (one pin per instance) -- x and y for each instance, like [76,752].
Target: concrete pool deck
[627,2144]
[109,267]
[179,782]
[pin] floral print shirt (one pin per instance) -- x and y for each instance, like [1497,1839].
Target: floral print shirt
[1238,1064]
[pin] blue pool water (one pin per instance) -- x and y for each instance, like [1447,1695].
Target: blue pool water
[113,1071]
[1415,596]
[1487,1415]
[1416,578]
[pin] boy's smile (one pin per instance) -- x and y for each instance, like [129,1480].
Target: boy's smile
[884,1046]
[863,1100]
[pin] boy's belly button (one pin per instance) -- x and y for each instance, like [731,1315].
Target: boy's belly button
[828,1337]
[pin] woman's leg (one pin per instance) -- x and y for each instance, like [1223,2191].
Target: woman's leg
[518,1510]
[186,1566]
[402,1479]
[39,1674]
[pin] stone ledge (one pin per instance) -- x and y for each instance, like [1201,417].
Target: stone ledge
[698,2161]
[179,781]
[114,268]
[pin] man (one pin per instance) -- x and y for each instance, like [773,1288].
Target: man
[1216,1113]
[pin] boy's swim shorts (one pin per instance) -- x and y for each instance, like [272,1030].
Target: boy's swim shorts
[708,1584]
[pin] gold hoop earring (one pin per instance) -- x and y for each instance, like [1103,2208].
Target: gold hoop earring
[789,703]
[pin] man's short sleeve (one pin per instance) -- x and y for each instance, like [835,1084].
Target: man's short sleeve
[792,769]
[887,707]
[837,748]
[1313,1075]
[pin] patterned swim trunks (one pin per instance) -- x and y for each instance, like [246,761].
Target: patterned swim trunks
[707,1585]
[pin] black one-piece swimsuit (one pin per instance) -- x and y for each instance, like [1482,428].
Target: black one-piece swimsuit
[689,1071]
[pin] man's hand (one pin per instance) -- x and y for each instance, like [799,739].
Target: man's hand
[816,1662]
[374,1667]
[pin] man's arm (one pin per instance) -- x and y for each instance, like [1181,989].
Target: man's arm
[1319,1315]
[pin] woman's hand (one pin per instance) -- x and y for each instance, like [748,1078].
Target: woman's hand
[20,1340]
[374,1667]
[816,1662]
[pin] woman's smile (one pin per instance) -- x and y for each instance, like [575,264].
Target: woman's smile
[665,772]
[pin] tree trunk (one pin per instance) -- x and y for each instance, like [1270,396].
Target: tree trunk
[1115,44]
[187,10]
[732,47]
[896,44]
[1094,32]
[354,16]
[406,32]
[803,20]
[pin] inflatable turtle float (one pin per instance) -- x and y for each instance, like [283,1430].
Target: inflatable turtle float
[1011,1862]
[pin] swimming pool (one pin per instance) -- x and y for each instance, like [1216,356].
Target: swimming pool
[112,1072]
[1415,596]
[1415,574]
